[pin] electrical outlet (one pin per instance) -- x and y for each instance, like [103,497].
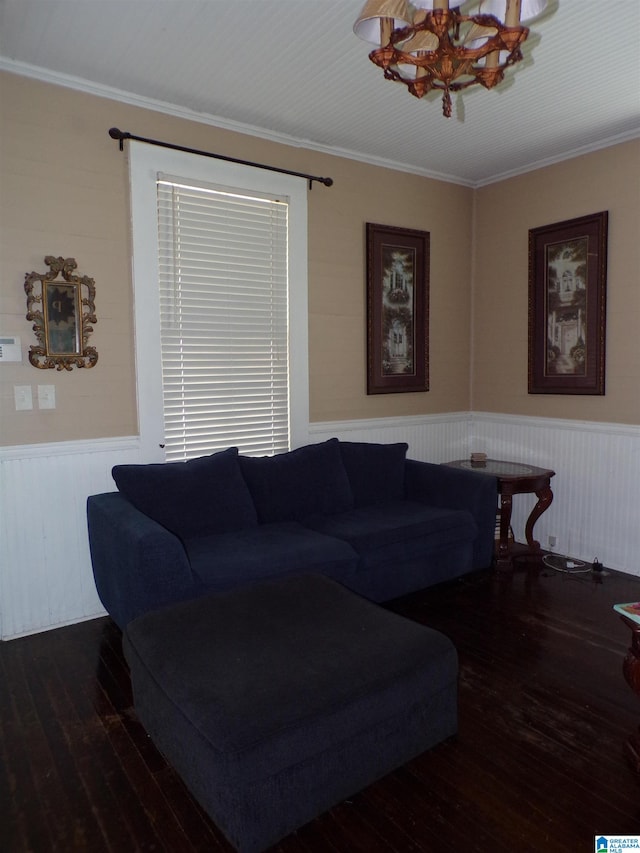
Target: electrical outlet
[553,541]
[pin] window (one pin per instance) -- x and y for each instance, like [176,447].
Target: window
[220,305]
[223,320]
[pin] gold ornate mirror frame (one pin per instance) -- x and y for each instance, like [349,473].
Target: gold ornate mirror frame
[61,311]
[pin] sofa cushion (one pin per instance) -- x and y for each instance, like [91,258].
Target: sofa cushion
[267,551]
[195,498]
[397,531]
[375,471]
[293,485]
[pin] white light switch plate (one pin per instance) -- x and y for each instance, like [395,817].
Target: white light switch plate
[23,397]
[47,396]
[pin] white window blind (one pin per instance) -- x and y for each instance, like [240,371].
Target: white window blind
[224,319]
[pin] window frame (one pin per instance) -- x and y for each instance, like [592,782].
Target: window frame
[146,162]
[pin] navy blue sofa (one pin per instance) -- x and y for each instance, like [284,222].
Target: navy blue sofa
[360,513]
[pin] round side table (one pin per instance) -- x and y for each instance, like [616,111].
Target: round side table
[514,478]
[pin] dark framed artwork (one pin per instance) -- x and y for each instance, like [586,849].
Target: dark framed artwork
[397,309]
[567,306]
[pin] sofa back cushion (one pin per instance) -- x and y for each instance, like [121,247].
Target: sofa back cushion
[375,471]
[195,498]
[292,486]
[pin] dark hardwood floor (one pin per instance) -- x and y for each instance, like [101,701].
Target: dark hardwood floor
[538,764]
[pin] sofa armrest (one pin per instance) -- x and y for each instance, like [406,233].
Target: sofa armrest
[138,565]
[457,488]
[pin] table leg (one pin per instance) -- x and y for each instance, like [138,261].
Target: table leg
[631,671]
[633,750]
[545,496]
[503,560]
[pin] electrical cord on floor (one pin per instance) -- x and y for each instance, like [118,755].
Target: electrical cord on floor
[565,564]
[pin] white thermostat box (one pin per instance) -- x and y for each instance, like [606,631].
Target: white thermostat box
[10,349]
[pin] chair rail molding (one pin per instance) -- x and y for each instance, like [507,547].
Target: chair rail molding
[431,438]
[46,578]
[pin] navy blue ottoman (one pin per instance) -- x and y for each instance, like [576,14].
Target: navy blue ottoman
[277,701]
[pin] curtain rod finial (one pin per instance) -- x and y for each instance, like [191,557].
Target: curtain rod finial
[120,135]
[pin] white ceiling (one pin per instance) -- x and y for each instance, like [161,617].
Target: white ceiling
[293,70]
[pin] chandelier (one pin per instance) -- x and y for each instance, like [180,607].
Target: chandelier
[426,45]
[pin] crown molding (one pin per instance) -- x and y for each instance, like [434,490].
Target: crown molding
[79,84]
[68,81]
[560,158]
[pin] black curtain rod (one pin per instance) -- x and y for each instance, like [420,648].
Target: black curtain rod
[121,135]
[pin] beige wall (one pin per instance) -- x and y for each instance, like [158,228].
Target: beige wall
[604,180]
[63,191]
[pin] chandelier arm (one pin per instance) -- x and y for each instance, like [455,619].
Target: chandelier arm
[440,21]
[439,68]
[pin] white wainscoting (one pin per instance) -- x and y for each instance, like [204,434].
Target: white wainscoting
[431,438]
[596,506]
[45,569]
